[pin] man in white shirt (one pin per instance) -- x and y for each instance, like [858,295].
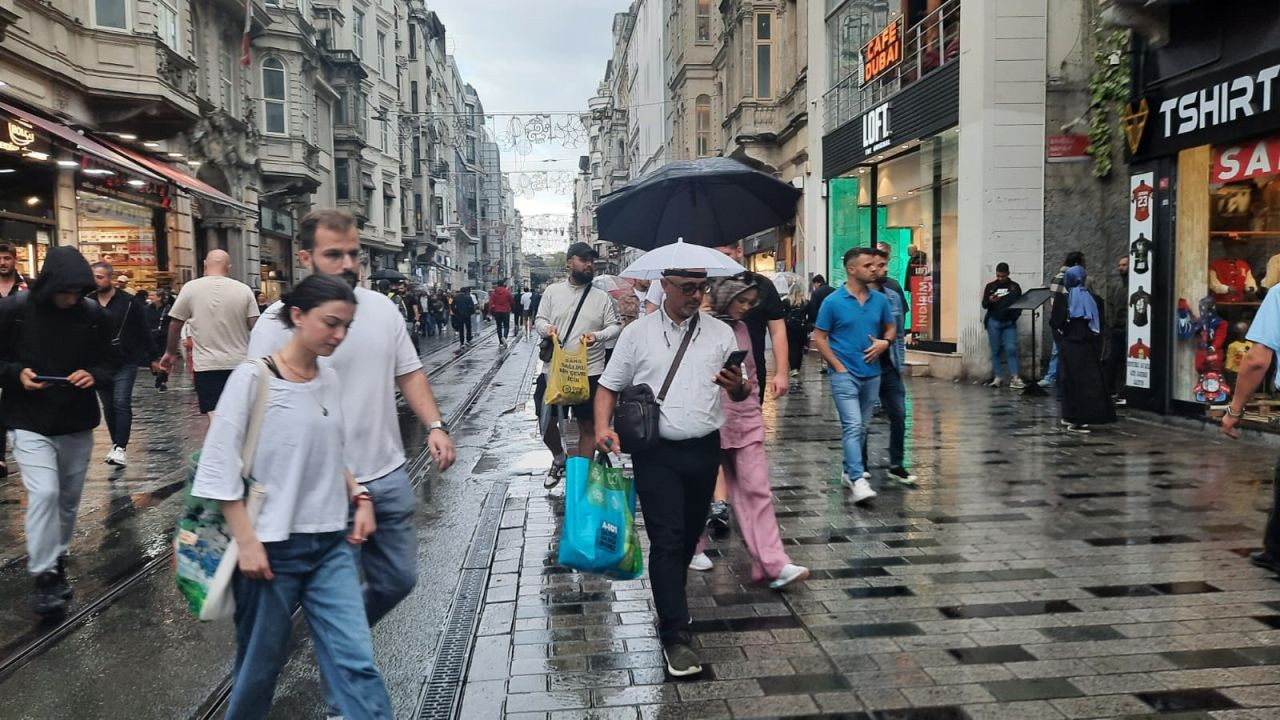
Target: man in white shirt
[674,479]
[376,358]
[526,306]
[595,324]
[221,312]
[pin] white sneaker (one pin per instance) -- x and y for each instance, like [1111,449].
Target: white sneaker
[795,373]
[700,562]
[866,474]
[116,456]
[1016,383]
[994,383]
[790,573]
[862,491]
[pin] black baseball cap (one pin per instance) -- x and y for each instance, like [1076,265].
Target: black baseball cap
[582,250]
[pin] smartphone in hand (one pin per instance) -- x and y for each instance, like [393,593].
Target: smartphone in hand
[736,358]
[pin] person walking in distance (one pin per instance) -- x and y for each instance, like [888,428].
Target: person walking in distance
[11,282]
[461,312]
[854,328]
[1002,324]
[157,313]
[1076,319]
[133,341]
[796,304]
[675,478]
[296,553]
[221,311]
[527,309]
[55,348]
[575,312]
[500,302]
[821,290]
[517,311]
[743,460]
[376,359]
[893,391]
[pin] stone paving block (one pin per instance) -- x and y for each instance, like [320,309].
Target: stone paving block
[1254,695]
[611,713]
[1030,710]
[636,695]
[1100,706]
[771,707]
[548,701]
[948,695]
[697,710]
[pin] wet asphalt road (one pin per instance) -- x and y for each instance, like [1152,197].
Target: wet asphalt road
[143,656]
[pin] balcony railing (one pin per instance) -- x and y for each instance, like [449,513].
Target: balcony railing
[927,46]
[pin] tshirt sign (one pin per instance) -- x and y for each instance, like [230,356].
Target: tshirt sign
[1220,103]
[1141,265]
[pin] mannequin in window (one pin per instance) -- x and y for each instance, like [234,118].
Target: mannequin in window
[1231,280]
[1211,337]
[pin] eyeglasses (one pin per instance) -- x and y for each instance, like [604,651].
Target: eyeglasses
[690,289]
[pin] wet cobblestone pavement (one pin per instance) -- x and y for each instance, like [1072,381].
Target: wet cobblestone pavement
[1032,574]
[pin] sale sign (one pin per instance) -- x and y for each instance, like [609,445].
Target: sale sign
[1244,162]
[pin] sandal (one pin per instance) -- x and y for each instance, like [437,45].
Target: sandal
[555,474]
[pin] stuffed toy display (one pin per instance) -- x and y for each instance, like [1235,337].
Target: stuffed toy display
[1185,326]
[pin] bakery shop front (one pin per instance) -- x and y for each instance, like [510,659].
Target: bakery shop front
[1204,215]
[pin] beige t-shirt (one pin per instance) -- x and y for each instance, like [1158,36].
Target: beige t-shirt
[217,309]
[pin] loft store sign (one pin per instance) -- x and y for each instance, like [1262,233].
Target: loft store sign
[876,133]
[1220,104]
[1260,158]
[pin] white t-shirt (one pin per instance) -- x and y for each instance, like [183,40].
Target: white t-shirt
[646,349]
[218,310]
[526,300]
[299,459]
[375,352]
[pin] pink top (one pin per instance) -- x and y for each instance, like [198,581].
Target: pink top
[743,421]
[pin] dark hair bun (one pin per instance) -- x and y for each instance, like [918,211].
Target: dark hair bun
[312,292]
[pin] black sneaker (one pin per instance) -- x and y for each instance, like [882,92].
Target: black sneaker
[682,661]
[47,598]
[720,515]
[1265,561]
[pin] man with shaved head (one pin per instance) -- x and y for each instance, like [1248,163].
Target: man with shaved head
[221,312]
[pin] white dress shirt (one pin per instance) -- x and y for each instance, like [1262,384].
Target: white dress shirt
[644,354]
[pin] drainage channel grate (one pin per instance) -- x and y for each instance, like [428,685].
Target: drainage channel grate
[443,687]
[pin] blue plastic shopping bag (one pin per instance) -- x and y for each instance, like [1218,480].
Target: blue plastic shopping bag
[599,531]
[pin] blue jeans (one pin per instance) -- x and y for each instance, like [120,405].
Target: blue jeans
[117,404]
[1052,375]
[318,571]
[893,398]
[854,398]
[1003,334]
[389,559]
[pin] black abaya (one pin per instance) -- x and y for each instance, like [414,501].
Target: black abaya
[1081,380]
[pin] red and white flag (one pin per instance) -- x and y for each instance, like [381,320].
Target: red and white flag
[248,24]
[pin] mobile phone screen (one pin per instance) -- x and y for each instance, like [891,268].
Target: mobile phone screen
[735,358]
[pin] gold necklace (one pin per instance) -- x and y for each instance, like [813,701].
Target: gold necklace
[306,382]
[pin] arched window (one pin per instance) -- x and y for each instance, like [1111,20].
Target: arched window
[274,102]
[702,115]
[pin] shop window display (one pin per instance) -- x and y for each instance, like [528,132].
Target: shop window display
[121,233]
[1228,227]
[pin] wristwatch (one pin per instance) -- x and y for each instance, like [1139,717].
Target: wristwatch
[438,425]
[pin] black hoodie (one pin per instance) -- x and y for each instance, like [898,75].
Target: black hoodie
[35,333]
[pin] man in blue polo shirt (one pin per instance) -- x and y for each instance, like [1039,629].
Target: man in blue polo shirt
[855,327]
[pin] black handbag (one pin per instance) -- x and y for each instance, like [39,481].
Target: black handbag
[635,418]
[545,346]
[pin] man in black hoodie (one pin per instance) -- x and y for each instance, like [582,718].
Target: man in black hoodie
[55,347]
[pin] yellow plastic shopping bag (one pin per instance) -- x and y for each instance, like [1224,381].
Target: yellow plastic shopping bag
[567,382]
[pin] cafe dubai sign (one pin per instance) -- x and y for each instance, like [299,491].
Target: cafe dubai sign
[883,53]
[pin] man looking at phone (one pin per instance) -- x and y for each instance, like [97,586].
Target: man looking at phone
[675,478]
[127,323]
[1002,324]
[55,347]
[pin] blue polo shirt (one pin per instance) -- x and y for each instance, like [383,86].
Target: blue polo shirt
[849,323]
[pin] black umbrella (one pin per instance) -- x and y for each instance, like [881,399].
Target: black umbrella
[387,274]
[712,202]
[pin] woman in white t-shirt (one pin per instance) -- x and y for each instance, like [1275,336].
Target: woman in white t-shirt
[297,552]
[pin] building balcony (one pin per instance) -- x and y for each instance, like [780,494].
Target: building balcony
[926,46]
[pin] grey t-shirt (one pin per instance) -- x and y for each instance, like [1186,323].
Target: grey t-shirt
[218,310]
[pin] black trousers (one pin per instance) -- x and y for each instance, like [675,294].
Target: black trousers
[503,322]
[1116,362]
[1271,536]
[462,325]
[674,483]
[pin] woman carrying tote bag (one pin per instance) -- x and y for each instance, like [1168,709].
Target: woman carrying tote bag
[297,551]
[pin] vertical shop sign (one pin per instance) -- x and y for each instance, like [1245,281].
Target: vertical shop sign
[921,302]
[1141,271]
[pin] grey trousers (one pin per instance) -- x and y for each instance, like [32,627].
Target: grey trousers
[53,471]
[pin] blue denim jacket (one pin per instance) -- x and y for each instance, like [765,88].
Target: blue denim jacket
[897,353]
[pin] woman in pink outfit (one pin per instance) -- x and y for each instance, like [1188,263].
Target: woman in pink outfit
[746,469]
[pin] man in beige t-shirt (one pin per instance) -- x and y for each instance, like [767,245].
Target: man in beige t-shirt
[221,312]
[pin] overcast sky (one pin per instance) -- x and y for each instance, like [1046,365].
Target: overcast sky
[530,56]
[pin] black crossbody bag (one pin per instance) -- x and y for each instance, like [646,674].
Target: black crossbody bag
[546,346]
[636,416]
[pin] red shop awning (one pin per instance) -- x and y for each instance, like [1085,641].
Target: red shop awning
[83,142]
[185,181]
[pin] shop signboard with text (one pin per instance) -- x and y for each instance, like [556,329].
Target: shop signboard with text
[883,52]
[19,138]
[1141,272]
